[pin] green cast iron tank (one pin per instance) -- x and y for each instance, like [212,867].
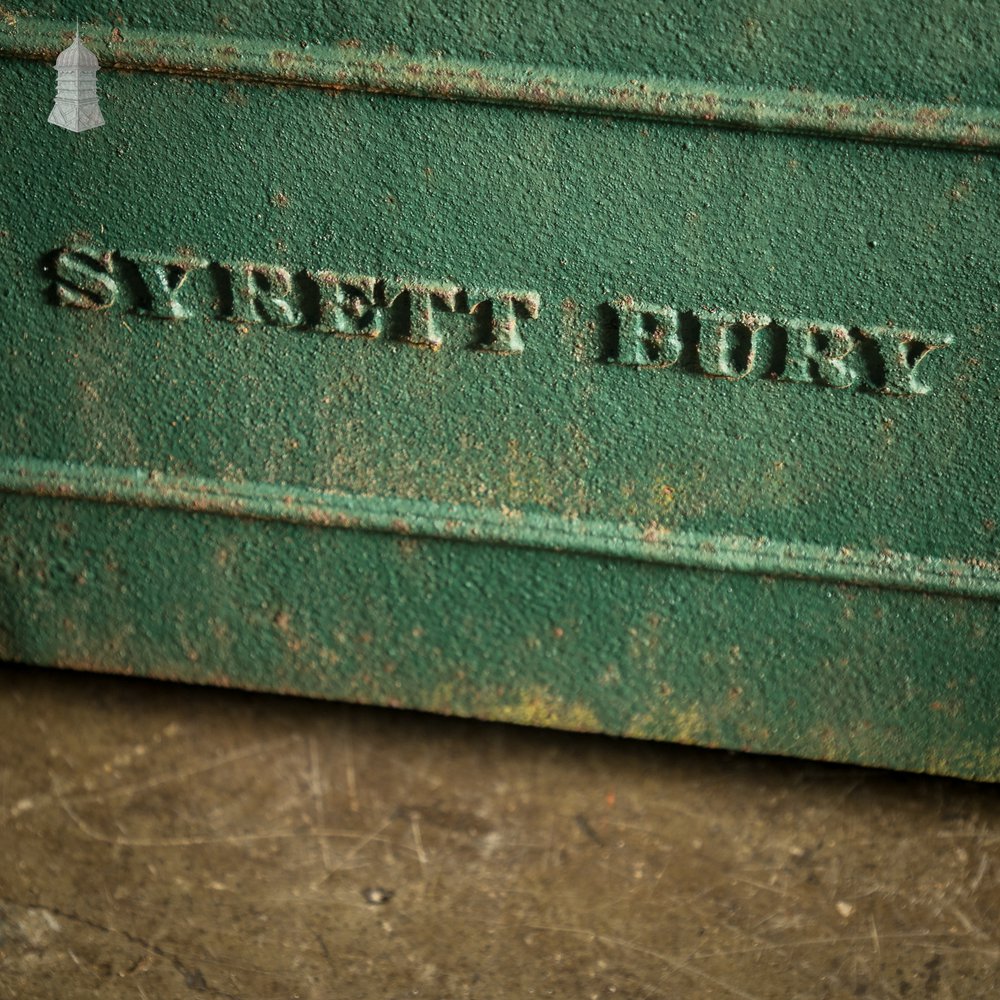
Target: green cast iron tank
[629,368]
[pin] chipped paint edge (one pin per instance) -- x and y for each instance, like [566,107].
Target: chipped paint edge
[295,504]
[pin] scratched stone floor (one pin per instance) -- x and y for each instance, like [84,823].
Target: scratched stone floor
[159,841]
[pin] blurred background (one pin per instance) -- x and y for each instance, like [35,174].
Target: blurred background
[158,840]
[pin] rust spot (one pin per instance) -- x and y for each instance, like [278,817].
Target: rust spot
[653,533]
[880,128]
[236,96]
[929,117]
[960,190]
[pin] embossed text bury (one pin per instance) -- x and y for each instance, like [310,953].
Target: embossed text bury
[704,341]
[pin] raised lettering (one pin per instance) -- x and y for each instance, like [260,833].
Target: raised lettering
[647,335]
[347,304]
[261,294]
[641,335]
[815,352]
[163,279]
[727,344]
[502,311]
[423,302]
[901,351]
[83,279]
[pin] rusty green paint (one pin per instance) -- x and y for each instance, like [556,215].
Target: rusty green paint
[342,67]
[653,405]
[968,577]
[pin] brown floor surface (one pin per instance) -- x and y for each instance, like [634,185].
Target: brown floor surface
[160,841]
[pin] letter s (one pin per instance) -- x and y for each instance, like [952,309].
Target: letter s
[83,279]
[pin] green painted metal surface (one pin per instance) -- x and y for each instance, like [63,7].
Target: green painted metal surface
[627,369]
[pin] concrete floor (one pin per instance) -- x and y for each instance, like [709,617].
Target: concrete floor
[161,841]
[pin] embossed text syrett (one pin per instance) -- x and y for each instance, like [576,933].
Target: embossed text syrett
[706,341]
